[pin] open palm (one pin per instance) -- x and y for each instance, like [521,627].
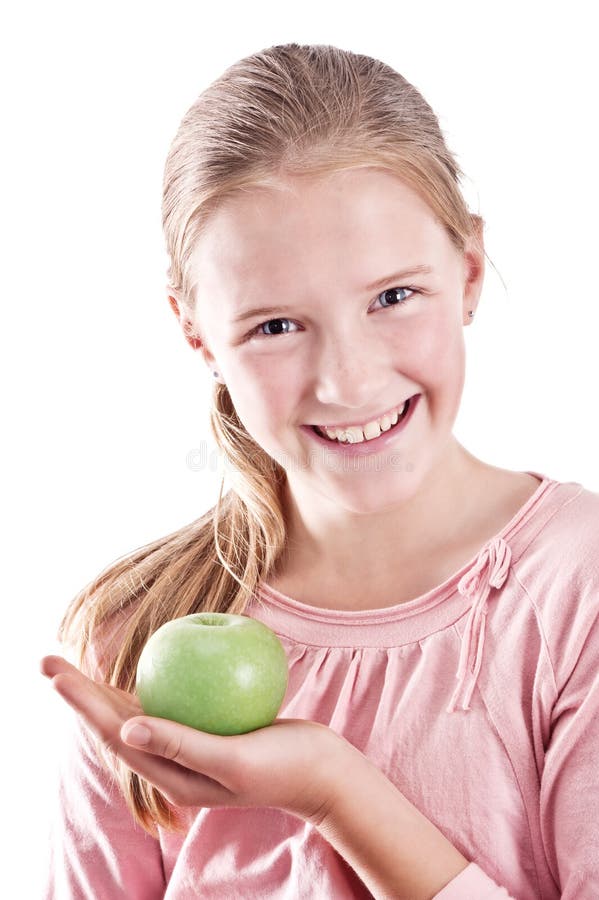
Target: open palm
[289,764]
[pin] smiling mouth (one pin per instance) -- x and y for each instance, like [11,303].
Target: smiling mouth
[355,434]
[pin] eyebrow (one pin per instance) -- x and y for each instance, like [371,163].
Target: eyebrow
[394,276]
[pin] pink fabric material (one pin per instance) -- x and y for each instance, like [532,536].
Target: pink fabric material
[479,700]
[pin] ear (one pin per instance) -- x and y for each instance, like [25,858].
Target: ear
[192,339]
[191,335]
[474,269]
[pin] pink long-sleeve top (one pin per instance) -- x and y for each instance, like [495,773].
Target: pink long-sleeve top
[479,700]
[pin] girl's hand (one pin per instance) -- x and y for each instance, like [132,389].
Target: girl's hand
[291,764]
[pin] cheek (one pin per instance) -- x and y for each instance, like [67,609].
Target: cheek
[438,354]
[262,401]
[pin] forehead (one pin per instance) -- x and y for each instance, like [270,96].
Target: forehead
[339,220]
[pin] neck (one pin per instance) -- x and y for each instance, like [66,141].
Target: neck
[332,543]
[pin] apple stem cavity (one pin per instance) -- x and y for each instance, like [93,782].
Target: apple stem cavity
[211,620]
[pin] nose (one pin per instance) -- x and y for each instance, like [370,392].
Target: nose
[350,374]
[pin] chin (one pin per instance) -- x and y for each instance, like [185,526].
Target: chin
[370,501]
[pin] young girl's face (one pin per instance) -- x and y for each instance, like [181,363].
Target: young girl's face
[331,346]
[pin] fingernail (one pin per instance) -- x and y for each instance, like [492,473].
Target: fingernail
[138,734]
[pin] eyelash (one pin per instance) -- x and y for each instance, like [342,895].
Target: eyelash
[257,333]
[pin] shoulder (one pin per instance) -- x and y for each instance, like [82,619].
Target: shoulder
[563,535]
[577,514]
[559,570]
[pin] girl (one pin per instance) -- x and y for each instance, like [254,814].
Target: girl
[440,731]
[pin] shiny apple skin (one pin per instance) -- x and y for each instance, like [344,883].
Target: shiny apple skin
[217,672]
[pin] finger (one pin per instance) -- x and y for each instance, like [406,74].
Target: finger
[50,666]
[128,703]
[212,755]
[104,710]
[106,723]
[89,700]
[166,770]
[53,665]
[198,767]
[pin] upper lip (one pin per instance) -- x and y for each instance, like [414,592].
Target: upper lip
[371,418]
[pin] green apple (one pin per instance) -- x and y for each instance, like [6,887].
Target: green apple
[218,672]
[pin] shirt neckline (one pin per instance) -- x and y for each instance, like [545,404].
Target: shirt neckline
[414,618]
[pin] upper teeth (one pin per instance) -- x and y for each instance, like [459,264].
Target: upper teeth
[355,433]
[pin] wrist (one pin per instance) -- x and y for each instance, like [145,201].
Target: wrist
[339,764]
[390,844]
[321,789]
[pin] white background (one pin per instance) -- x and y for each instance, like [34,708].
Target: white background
[104,400]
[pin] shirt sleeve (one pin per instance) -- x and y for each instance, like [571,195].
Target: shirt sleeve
[570,779]
[569,793]
[472,882]
[97,849]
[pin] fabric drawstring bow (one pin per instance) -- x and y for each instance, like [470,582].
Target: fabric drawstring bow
[490,571]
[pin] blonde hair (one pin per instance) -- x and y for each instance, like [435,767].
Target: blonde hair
[287,110]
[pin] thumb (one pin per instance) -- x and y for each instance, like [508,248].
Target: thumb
[136,733]
[194,749]
[210,757]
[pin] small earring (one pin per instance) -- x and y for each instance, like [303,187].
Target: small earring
[215,374]
[471,314]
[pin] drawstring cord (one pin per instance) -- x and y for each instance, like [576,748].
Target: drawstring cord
[490,570]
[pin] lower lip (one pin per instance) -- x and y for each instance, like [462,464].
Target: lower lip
[365,447]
